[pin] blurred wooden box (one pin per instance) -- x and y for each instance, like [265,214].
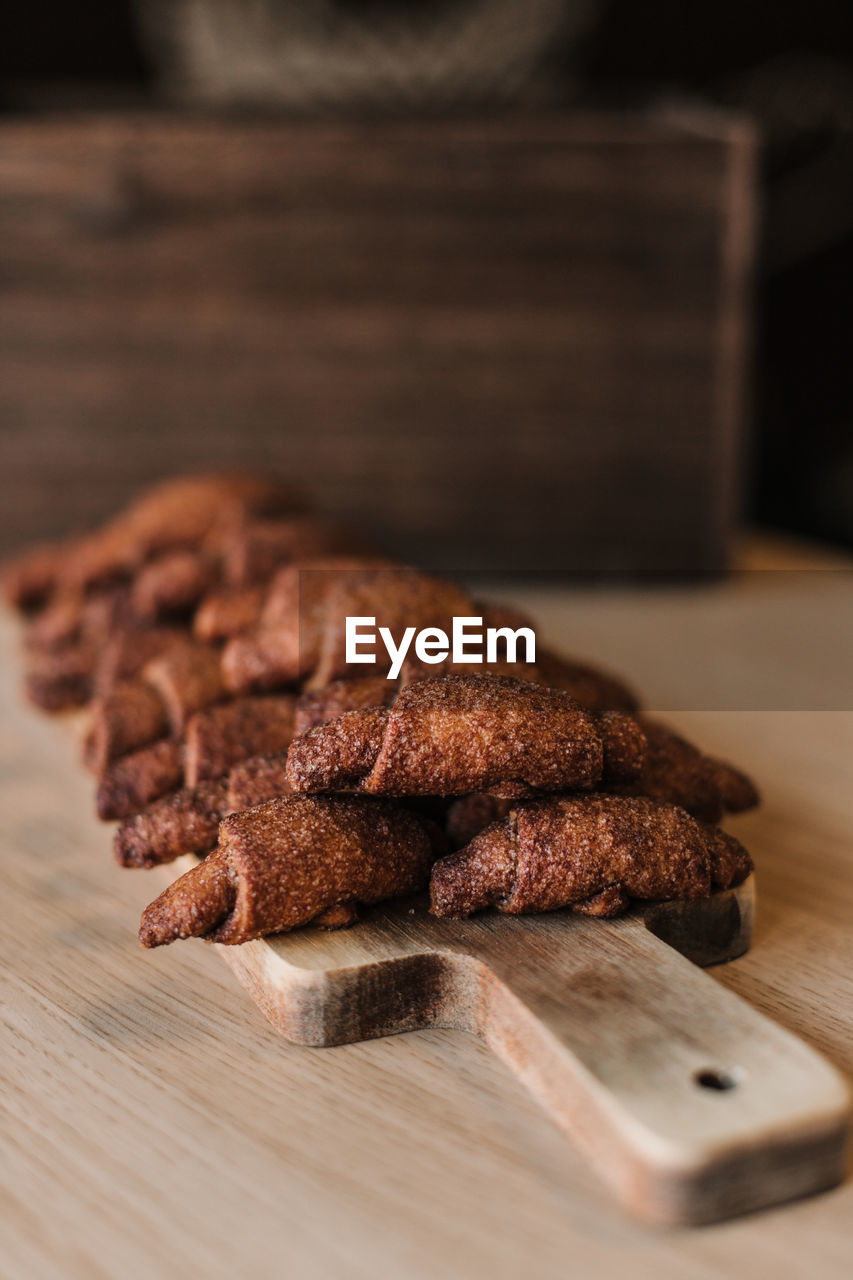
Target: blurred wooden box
[514,343]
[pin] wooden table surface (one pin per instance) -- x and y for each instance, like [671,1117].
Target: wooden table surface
[153,1125]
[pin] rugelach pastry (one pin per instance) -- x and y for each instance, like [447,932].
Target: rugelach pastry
[220,737]
[186,677]
[674,770]
[187,821]
[253,781]
[228,612]
[593,853]
[72,617]
[349,693]
[131,716]
[214,741]
[59,680]
[594,689]
[206,627]
[172,584]
[450,735]
[128,650]
[287,862]
[133,781]
[300,635]
[252,552]
[677,771]
[173,514]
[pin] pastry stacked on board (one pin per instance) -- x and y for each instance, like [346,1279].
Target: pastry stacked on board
[204,631]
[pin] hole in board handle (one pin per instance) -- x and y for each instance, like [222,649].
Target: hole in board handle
[716,1079]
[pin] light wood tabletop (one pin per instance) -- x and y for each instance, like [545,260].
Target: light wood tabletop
[155,1125]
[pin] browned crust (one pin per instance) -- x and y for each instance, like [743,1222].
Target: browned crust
[674,771]
[284,863]
[128,650]
[564,850]
[262,660]
[74,618]
[227,613]
[456,734]
[284,648]
[253,552]
[220,737]
[192,905]
[256,780]
[130,717]
[339,756]
[185,822]
[31,577]
[677,771]
[624,744]
[351,693]
[187,678]
[172,584]
[60,680]
[178,512]
[133,781]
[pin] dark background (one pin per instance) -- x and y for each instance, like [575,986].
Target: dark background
[789,66]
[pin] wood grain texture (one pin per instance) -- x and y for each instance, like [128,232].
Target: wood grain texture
[153,1122]
[416,314]
[691,1106]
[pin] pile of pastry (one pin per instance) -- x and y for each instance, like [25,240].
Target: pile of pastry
[203,629]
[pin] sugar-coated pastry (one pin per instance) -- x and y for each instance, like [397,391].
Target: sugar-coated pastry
[183,679]
[674,770]
[172,584]
[228,612]
[253,551]
[187,678]
[133,781]
[128,649]
[284,863]
[214,741]
[677,771]
[284,648]
[73,617]
[184,510]
[175,513]
[595,852]
[186,821]
[220,737]
[260,778]
[30,578]
[131,716]
[61,679]
[450,735]
[349,693]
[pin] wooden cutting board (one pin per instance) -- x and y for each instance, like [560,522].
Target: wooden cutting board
[691,1105]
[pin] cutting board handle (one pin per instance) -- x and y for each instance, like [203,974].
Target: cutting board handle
[691,1105]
